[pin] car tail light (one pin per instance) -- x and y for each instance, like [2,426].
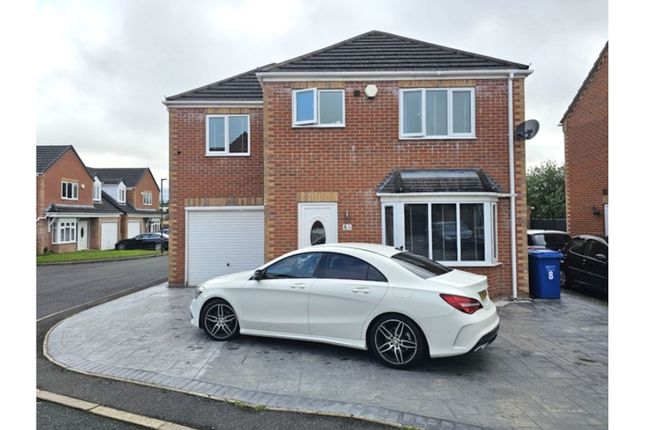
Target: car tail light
[461,303]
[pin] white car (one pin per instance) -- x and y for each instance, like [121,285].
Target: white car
[401,306]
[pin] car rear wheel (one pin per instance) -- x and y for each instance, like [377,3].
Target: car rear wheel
[120,246]
[563,278]
[220,321]
[158,247]
[397,341]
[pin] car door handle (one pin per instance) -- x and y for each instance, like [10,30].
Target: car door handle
[300,285]
[359,290]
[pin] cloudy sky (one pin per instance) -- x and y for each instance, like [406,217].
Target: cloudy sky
[105,66]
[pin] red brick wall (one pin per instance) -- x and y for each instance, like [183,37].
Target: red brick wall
[586,155]
[193,175]
[354,160]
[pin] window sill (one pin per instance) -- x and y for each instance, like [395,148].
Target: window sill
[63,243]
[212,154]
[469,263]
[318,126]
[438,138]
[68,198]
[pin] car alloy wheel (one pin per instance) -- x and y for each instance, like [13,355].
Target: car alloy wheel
[397,342]
[121,247]
[158,247]
[563,278]
[219,320]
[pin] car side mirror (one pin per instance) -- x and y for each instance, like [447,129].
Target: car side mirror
[258,275]
[601,257]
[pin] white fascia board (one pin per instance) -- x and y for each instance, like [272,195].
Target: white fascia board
[223,208]
[214,103]
[81,215]
[406,196]
[391,75]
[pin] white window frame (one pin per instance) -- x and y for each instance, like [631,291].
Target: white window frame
[63,226]
[121,190]
[490,206]
[451,134]
[147,198]
[316,120]
[74,190]
[226,152]
[96,191]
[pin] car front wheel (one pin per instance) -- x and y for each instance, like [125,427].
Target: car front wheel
[563,278]
[397,341]
[219,320]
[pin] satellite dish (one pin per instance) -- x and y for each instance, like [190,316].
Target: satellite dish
[371,90]
[527,130]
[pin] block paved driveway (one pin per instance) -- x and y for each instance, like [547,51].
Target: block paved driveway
[546,370]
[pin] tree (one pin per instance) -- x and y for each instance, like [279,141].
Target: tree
[545,190]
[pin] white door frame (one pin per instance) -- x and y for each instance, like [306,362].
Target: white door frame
[326,213]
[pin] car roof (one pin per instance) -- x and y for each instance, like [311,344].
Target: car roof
[537,231]
[384,250]
[589,236]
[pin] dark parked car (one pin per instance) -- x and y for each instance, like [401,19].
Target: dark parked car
[156,241]
[554,240]
[585,263]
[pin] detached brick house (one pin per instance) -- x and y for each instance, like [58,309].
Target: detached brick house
[586,152]
[379,138]
[81,208]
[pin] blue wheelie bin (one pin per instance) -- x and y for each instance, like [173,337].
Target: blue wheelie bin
[544,273]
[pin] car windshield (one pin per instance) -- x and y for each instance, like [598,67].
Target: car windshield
[421,266]
[538,240]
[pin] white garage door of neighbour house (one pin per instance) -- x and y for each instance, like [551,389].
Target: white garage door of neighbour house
[223,240]
[134,228]
[108,235]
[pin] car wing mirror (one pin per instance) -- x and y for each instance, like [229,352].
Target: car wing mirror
[601,257]
[258,275]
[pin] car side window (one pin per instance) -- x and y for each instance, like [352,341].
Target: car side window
[595,247]
[341,266]
[295,266]
[577,246]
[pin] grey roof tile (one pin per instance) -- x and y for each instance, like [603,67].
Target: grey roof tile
[438,180]
[130,176]
[46,155]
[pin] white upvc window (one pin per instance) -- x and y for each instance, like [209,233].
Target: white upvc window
[64,231]
[437,113]
[455,232]
[121,193]
[147,198]
[228,135]
[96,191]
[69,190]
[312,107]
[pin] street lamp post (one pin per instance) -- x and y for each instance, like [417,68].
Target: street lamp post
[161,209]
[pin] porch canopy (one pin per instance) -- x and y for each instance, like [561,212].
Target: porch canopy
[438,181]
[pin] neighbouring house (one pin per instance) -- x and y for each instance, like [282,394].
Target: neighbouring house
[135,192]
[379,138]
[586,152]
[77,210]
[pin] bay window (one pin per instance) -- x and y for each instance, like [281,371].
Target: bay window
[452,231]
[437,113]
[64,231]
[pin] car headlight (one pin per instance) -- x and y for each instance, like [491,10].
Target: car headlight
[200,290]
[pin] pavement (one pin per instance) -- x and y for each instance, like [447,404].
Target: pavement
[546,370]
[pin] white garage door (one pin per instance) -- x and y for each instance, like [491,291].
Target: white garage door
[222,241]
[134,228]
[108,235]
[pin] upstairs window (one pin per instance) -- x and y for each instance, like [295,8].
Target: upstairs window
[96,191]
[437,113]
[318,108]
[147,198]
[227,135]
[121,194]
[69,190]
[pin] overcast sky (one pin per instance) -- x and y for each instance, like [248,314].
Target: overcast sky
[105,66]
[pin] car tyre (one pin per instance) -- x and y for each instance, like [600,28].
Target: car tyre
[219,320]
[158,247]
[564,280]
[120,246]
[397,341]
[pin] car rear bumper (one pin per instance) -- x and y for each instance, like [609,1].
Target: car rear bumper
[486,339]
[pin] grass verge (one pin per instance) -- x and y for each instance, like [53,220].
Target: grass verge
[93,255]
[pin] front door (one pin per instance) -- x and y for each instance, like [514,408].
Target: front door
[83,232]
[317,224]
